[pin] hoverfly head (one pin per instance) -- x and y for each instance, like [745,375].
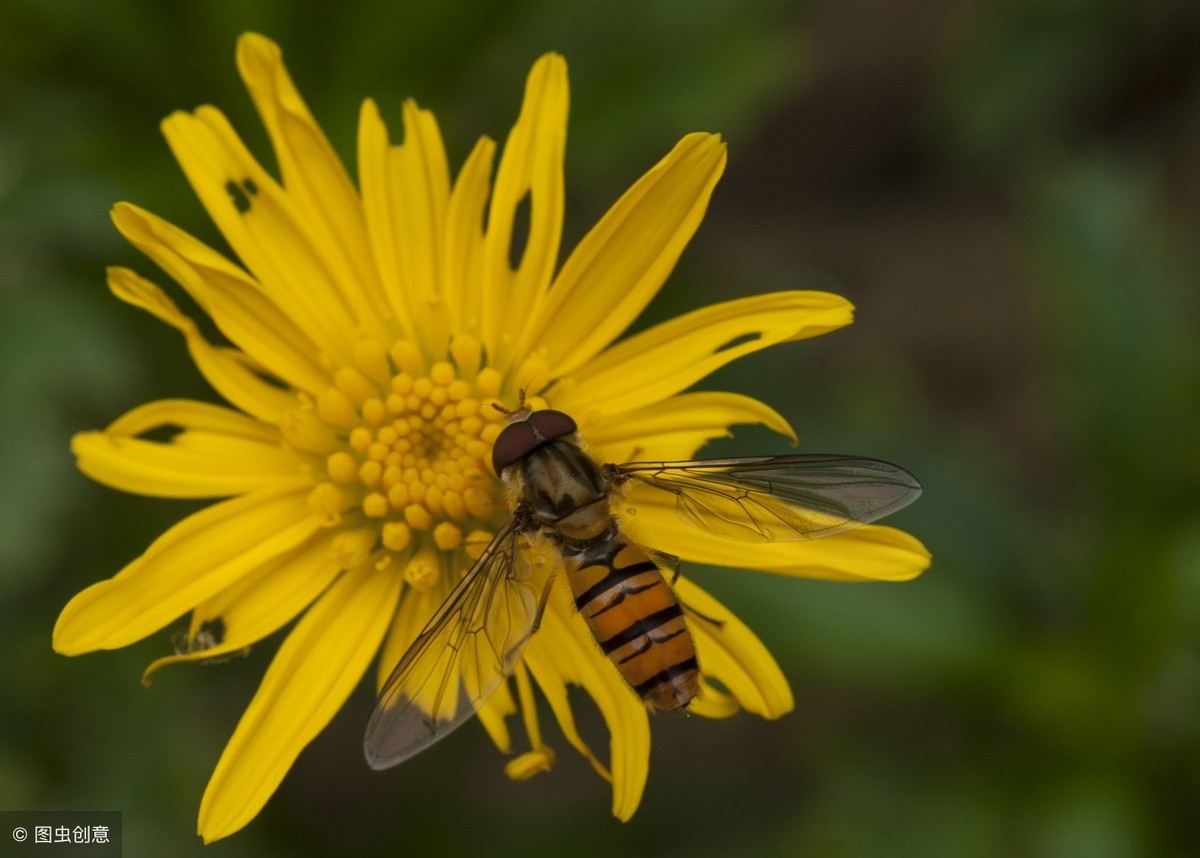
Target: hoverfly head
[526,431]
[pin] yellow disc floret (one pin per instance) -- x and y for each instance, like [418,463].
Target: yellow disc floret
[402,452]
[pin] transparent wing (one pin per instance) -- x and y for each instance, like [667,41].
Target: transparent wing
[779,498]
[461,656]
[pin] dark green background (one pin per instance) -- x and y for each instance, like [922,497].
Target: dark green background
[1009,192]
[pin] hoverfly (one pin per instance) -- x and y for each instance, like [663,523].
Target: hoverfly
[562,496]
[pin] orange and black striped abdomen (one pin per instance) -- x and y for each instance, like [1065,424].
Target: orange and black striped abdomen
[636,619]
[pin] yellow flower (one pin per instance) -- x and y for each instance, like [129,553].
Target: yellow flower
[369,331]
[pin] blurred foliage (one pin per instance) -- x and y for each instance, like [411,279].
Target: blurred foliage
[1009,193]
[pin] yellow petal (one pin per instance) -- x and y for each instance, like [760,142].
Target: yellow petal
[532,164]
[713,702]
[675,428]
[463,262]
[530,763]
[731,654]
[230,374]
[406,191]
[868,553]
[190,414]
[261,602]
[309,679]
[233,300]
[563,651]
[621,264]
[320,191]
[492,714]
[420,188]
[196,558]
[416,608]
[553,683]
[379,212]
[261,225]
[216,452]
[659,362]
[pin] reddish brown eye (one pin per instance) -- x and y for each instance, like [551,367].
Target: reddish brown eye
[552,424]
[515,442]
[518,440]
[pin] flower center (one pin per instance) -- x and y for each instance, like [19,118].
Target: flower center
[406,452]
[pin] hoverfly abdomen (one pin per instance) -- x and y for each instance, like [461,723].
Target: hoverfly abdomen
[635,618]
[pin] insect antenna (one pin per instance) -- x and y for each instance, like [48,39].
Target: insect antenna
[520,405]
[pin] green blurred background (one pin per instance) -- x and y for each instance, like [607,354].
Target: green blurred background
[1010,194]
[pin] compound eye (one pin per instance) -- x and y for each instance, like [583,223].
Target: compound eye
[515,442]
[552,424]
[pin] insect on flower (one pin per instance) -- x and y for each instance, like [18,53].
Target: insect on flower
[209,635]
[360,332]
[562,497]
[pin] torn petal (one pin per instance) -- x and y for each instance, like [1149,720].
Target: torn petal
[308,681]
[198,557]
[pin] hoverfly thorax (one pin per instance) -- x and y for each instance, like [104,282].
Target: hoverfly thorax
[538,456]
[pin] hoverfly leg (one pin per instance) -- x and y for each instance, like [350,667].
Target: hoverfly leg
[662,558]
[672,560]
[692,612]
[541,608]
[522,516]
[613,475]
